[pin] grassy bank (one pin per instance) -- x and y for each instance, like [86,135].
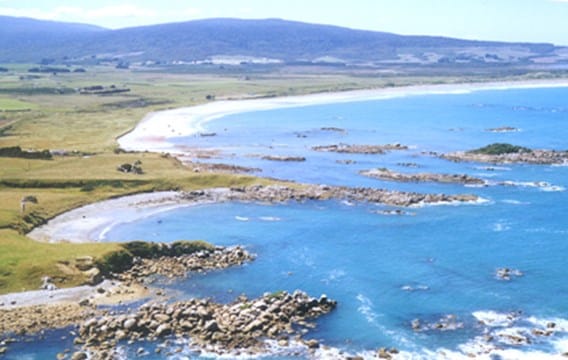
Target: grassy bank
[65,183]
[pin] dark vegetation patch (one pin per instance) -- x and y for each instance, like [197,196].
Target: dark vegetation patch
[102,90]
[135,103]
[17,152]
[500,149]
[36,90]
[122,260]
[5,130]
[49,69]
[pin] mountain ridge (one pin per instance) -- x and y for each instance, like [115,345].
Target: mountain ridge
[29,40]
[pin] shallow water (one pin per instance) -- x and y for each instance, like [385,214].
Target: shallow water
[384,270]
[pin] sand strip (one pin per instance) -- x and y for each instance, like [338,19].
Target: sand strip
[89,223]
[155,131]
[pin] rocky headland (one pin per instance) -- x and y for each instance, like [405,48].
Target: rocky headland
[359,149]
[508,154]
[386,174]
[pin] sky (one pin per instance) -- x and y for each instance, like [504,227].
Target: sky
[503,20]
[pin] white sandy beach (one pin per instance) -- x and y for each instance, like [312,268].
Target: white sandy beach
[89,223]
[155,130]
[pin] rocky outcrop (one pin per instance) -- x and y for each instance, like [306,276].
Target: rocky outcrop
[503,129]
[535,157]
[33,319]
[386,174]
[280,194]
[446,323]
[393,212]
[241,325]
[360,149]
[507,274]
[333,129]
[409,164]
[283,158]
[222,168]
[179,266]
[345,161]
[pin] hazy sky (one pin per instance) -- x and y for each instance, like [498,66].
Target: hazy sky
[509,20]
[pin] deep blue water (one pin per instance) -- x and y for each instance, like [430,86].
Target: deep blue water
[386,271]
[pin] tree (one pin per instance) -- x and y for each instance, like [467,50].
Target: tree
[27,199]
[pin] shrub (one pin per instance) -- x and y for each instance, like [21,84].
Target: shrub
[17,152]
[189,247]
[149,250]
[115,262]
[501,148]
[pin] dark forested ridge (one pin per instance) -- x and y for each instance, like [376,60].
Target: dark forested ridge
[275,40]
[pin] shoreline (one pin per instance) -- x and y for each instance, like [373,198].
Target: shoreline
[115,292]
[90,223]
[153,132]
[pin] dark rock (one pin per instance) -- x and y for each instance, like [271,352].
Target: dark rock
[79,356]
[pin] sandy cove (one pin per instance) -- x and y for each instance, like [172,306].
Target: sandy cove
[155,130]
[90,223]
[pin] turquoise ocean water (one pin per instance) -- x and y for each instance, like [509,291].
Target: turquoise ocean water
[386,271]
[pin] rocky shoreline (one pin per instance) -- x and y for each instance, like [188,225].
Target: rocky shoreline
[35,319]
[241,326]
[360,149]
[533,157]
[386,174]
[30,320]
[282,194]
[180,266]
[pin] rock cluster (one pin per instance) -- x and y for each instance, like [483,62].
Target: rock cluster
[283,158]
[386,174]
[178,266]
[280,193]
[535,157]
[360,149]
[33,319]
[503,129]
[223,168]
[447,323]
[241,325]
[507,274]
[333,128]
[395,212]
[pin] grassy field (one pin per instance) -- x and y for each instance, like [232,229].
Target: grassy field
[46,111]
[15,105]
[65,183]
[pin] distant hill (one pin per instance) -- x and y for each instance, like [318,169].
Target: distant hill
[236,41]
[29,40]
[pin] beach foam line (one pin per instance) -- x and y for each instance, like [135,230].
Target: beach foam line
[155,131]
